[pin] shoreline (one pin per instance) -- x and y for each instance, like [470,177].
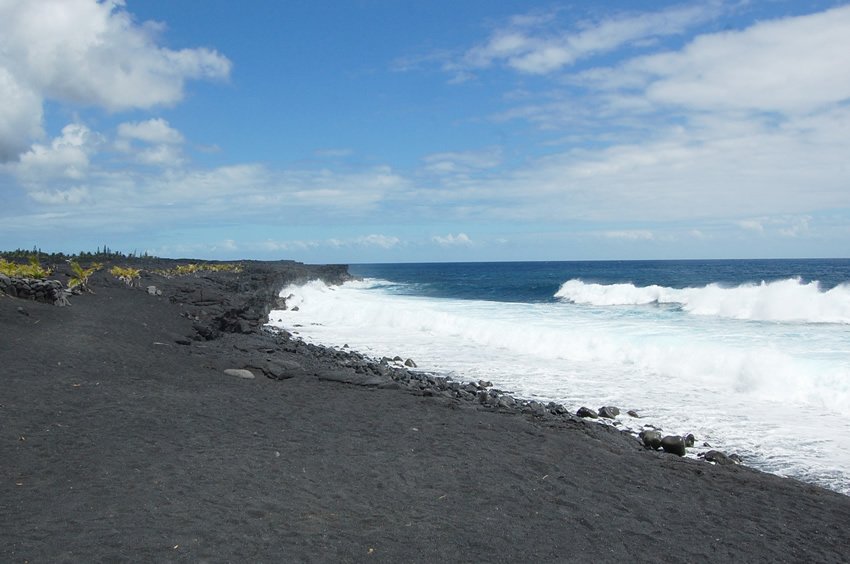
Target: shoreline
[446,331]
[126,439]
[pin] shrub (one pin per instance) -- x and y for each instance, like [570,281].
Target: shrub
[80,279]
[193,268]
[32,269]
[126,274]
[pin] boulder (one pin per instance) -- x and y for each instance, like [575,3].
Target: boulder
[674,444]
[506,402]
[720,458]
[587,412]
[690,440]
[609,412]
[278,369]
[633,413]
[409,363]
[651,439]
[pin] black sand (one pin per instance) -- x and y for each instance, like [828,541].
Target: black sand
[117,443]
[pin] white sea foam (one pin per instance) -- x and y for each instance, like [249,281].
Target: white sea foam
[778,392]
[782,300]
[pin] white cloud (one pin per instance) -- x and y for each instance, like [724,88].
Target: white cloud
[127,197]
[162,142]
[72,196]
[383,241]
[160,155]
[785,226]
[527,48]
[450,240]
[462,161]
[373,240]
[20,116]
[333,153]
[751,225]
[88,53]
[734,125]
[792,65]
[630,235]
[154,131]
[67,157]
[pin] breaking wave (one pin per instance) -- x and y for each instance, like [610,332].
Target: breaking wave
[788,300]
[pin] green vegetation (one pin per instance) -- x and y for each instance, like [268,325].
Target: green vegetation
[193,268]
[126,274]
[79,280]
[102,254]
[32,269]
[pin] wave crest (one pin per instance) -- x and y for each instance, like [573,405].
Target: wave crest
[789,300]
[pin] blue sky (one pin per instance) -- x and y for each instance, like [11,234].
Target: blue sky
[388,131]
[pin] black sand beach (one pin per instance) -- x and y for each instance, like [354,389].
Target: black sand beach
[123,439]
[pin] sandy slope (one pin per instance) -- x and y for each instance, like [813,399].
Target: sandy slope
[118,443]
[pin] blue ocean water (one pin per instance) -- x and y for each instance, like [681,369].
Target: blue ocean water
[752,356]
[539,281]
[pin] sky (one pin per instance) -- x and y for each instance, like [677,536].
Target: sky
[410,131]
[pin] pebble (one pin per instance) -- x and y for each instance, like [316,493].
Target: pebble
[240,373]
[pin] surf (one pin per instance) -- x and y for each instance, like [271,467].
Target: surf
[782,300]
[776,392]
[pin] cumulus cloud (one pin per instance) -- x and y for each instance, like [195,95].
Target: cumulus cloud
[450,240]
[86,53]
[154,131]
[66,157]
[160,142]
[20,115]
[792,65]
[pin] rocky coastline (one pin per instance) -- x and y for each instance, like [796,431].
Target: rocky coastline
[163,420]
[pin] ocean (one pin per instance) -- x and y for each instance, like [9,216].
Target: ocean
[751,356]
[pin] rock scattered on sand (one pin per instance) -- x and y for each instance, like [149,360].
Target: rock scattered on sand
[651,439]
[674,444]
[240,373]
[721,458]
[279,369]
[609,412]
[587,412]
